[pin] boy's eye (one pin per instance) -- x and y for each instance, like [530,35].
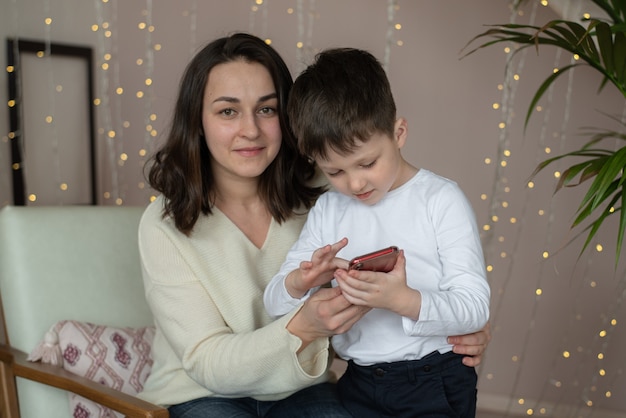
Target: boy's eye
[334,173]
[369,165]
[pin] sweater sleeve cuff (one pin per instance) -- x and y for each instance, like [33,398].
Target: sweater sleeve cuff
[314,358]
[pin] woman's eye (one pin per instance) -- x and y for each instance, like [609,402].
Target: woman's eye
[267,110]
[227,112]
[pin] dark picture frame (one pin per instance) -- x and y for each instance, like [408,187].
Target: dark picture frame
[33,168]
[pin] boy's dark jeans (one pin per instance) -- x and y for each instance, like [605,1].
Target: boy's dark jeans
[436,386]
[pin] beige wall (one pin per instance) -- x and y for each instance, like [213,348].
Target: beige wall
[453,127]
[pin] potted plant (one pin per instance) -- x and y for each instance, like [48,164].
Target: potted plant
[601,44]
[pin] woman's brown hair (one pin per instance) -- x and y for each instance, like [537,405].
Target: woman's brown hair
[181,169]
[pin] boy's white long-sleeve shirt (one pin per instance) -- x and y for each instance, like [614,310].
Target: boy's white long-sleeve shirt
[429,218]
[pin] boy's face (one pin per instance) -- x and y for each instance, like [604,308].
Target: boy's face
[374,168]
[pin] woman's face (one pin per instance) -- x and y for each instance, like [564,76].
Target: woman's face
[240,119]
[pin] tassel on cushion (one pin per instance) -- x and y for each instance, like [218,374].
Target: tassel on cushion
[48,350]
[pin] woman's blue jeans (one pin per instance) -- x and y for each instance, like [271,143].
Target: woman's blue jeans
[318,401]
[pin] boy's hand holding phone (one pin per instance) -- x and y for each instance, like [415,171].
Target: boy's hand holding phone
[317,272]
[381,290]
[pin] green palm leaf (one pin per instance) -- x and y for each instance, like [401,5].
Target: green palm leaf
[602,46]
[542,89]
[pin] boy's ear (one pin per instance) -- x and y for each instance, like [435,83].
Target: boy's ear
[400,132]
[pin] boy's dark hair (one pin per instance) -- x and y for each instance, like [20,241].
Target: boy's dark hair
[181,169]
[344,96]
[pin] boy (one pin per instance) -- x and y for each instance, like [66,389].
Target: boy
[399,363]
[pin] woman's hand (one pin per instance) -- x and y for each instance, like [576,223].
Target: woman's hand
[324,314]
[472,345]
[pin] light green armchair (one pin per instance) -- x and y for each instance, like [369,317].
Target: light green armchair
[65,263]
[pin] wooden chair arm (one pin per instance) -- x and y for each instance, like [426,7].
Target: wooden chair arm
[58,377]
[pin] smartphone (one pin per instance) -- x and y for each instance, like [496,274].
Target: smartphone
[381,260]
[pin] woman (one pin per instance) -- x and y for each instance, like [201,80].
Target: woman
[234,194]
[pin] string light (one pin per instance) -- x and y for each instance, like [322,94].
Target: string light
[305,28]
[392,6]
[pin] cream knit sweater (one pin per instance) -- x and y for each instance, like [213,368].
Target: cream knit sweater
[213,336]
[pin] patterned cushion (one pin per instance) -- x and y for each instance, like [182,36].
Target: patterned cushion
[115,357]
